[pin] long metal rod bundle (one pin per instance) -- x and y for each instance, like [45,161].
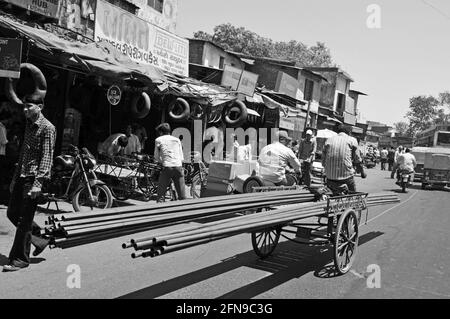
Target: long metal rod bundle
[156,219]
[194,203]
[246,217]
[124,228]
[224,229]
[177,216]
[288,215]
[164,212]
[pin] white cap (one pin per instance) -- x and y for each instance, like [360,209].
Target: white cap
[309,132]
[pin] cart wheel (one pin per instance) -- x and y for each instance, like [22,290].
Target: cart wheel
[264,242]
[252,181]
[120,194]
[346,241]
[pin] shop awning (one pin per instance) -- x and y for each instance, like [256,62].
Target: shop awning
[97,58]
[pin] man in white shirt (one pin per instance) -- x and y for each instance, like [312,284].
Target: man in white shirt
[275,158]
[134,145]
[114,145]
[407,162]
[169,152]
[397,153]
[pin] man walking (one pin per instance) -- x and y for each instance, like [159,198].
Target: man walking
[383,158]
[33,169]
[397,154]
[391,158]
[169,153]
[307,153]
[339,154]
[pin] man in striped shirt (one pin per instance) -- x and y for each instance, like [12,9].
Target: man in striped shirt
[339,154]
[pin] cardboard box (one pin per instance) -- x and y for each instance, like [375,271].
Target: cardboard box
[437,161]
[222,170]
[229,170]
[216,189]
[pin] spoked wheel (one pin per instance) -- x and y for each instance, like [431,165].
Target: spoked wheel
[102,198]
[346,241]
[121,190]
[147,188]
[264,242]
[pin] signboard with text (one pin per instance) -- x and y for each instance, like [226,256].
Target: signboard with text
[10,57]
[47,8]
[140,40]
[286,84]
[239,80]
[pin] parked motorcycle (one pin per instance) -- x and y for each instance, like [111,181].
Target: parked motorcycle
[74,180]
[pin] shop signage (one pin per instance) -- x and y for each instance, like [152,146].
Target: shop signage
[286,84]
[239,80]
[287,124]
[114,95]
[10,57]
[47,8]
[141,41]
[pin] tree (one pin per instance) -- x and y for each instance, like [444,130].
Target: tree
[247,42]
[423,112]
[402,128]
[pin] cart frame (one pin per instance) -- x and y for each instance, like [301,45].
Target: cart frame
[338,225]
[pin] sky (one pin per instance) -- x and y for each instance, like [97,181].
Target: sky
[408,55]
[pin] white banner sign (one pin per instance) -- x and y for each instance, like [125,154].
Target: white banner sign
[140,40]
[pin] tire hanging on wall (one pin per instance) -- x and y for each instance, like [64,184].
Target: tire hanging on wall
[186,110]
[40,89]
[140,105]
[242,114]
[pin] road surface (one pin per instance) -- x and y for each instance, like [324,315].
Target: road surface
[403,253]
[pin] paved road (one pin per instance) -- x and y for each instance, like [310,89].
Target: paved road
[406,242]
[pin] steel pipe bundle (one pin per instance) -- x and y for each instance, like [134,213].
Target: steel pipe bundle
[68,231]
[169,241]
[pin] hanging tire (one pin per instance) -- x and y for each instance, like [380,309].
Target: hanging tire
[102,198]
[185,110]
[140,105]
[252,181]
[242,110]
[40,83]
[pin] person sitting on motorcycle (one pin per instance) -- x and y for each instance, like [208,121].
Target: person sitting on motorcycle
[406,163]
[276,158]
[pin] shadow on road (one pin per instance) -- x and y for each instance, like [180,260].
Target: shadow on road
[289,261]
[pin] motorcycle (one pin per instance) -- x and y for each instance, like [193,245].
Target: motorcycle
[404,179]
[370,161]
[73,180]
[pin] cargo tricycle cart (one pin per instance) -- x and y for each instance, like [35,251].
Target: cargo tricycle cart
[337,224]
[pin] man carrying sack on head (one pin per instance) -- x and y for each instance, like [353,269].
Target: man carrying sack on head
[33,169]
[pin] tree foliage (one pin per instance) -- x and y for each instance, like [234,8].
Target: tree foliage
[425,111]
[422,113]
[241,40]
[402,128]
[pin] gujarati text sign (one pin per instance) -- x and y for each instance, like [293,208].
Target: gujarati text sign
[47,8]
[10,57]
[140,40]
